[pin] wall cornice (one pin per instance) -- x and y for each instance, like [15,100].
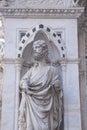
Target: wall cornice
[74,12]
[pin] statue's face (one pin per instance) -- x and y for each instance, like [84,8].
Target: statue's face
[38,52]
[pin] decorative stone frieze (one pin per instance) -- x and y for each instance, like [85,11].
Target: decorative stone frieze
[41,13]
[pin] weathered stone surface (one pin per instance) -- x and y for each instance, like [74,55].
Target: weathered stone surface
[41,3]
[61,20]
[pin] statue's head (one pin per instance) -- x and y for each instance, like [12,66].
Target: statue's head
[40,50]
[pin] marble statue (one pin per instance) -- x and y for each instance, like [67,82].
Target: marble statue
[41,102]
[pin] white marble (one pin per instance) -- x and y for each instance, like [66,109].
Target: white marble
[44,3]
[70,71]
[8,97]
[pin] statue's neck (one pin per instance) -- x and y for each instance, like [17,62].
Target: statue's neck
[41,63]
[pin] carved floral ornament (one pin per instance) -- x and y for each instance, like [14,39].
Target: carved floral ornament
[42,13]
[42,8]
[40,3]
[48,3]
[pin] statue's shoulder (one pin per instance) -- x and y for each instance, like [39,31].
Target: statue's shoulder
[28,71]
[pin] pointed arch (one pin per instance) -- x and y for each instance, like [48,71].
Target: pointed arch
[49,33]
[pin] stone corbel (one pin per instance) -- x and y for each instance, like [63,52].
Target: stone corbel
[19,62]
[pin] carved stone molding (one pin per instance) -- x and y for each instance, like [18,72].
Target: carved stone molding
[70,61]
[41,13]
[13,60]
[1,49]
[58,62]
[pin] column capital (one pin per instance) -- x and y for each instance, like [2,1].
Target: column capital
[19,62]
[73,60]
[13,60]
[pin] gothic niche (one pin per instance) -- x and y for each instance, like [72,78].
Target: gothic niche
[41,93]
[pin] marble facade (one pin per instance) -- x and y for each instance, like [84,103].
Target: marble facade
[60,21]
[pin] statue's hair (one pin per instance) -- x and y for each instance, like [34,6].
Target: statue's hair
[44,46]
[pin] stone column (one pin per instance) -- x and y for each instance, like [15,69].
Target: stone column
[73,112]
[83,73]
[18,70]
[1,84]
[63,65]
[10,96]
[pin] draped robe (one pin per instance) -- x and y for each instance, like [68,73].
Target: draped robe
[40,107]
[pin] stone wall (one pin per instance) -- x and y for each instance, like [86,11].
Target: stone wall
[1,65]
[64,20]
[82,27]
[1,84]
